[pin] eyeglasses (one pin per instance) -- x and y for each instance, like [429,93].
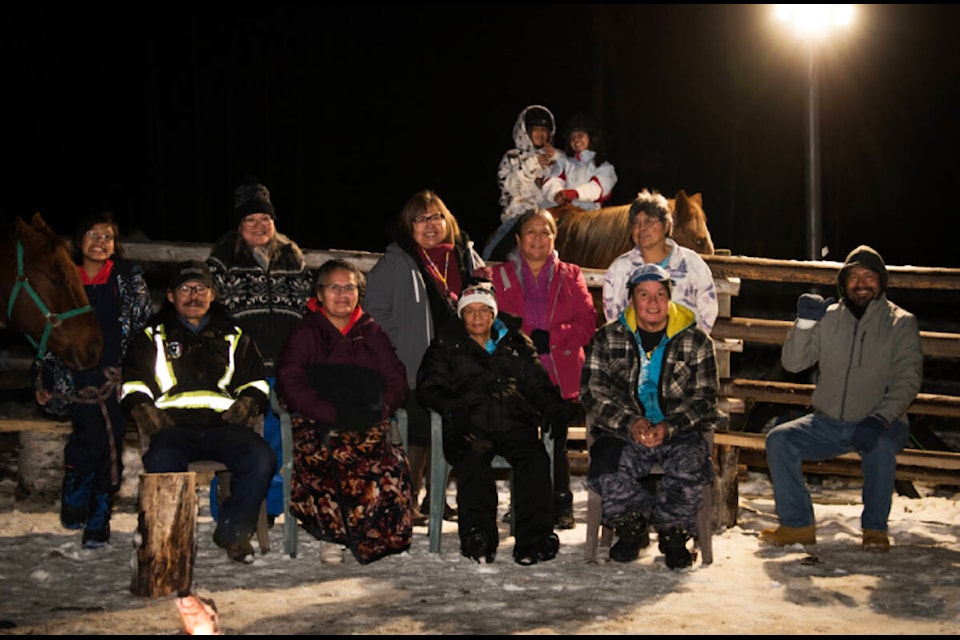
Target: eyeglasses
[96,235]
[482,311]
[424,219]
[340,288]
[186,289]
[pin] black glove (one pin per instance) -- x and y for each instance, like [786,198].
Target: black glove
[243,410]
[541,340]
[812,306]
[555,419]
[149,419]
[867,433]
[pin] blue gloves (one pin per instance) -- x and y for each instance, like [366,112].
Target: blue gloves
[867,433]
[812,306]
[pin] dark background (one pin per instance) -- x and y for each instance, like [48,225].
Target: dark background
[344,111]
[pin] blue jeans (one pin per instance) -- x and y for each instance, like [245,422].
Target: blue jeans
[248,456]
[816,437]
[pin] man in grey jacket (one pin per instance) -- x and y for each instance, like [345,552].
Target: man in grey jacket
[870,362]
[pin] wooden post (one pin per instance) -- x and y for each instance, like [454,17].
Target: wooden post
[165,545]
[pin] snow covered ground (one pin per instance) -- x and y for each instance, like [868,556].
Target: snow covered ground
[50,585]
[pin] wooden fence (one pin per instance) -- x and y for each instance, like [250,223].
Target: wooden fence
[732,333]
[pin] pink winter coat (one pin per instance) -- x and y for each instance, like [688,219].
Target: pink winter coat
[572,318]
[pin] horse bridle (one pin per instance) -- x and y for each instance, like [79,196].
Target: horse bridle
[53,319]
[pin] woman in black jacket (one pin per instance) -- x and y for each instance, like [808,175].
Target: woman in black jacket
[483,375]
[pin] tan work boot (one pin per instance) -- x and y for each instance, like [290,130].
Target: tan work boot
[875,541]
[784,536]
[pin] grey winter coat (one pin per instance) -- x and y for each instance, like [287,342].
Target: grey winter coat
[870,367]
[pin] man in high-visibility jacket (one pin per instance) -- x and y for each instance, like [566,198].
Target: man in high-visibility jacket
[194,383]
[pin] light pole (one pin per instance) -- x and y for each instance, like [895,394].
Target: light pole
[813,23]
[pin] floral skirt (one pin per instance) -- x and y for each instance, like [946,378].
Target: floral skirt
[352,488]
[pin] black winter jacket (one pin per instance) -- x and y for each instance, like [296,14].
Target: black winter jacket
[198,362]
[508,389]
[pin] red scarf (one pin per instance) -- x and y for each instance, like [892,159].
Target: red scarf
[314,305]
[102,276]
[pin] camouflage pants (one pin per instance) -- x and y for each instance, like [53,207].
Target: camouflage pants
[619,470]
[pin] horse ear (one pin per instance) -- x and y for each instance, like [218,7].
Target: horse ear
[38,222]
[698,199]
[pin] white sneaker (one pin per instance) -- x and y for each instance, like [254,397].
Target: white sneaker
[330,553]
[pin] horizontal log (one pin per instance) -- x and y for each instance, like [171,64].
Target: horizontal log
[933,343]
[825,272]
[914,458]
[795,393]
[8,425]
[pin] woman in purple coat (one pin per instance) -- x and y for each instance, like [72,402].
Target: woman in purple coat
[559,316]
[339,376]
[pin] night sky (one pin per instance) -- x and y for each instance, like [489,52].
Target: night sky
[158,111]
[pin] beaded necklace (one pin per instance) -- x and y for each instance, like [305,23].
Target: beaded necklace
[435,271]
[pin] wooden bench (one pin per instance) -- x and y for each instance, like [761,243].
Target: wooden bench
[734,449]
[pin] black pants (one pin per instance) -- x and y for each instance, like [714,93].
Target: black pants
[477,490]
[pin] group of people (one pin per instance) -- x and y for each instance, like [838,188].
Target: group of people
[502,351]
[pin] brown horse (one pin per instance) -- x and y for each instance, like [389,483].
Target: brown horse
[42,295]
[594,238]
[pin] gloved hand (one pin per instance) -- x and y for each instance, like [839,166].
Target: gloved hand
[541,340]
[867,433]
[149,419]
[555,419]
[812,306]
[570,194]
[242,411]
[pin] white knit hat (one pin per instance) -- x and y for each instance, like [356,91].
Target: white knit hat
[482,292]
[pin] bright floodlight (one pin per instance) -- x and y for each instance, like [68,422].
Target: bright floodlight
[814,20]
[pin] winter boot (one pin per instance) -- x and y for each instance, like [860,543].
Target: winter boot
[544,550]
[673,545]
[563,510]
[784,536]
[875,541]
[97,532]
[476,545]
[75,499]
[418,459]
[632,535]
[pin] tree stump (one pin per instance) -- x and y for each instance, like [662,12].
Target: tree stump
[165,545]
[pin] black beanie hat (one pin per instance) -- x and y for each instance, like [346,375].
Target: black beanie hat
[251,198]
[863,256]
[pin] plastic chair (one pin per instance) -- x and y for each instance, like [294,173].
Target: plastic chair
[223,475]
[439,471]
[290,524]
[597,532]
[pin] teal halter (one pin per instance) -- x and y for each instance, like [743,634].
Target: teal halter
[53,319]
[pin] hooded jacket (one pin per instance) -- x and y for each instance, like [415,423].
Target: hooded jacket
[404,300]
[867,367]
[520,175]
[571,316]
[687,386]
[505,389]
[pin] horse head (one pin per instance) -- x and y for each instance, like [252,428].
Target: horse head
[690,223]
[42,295]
